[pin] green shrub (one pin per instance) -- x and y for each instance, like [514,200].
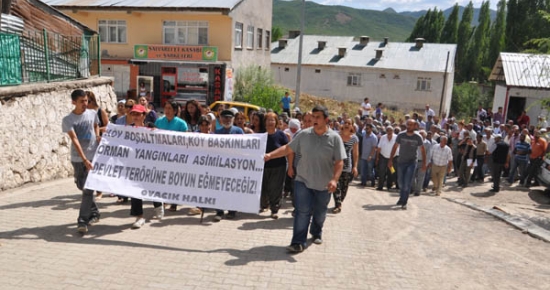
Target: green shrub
[255,85]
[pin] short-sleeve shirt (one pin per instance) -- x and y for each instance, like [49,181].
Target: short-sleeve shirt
[286,102]
[348,146]
[369,142]
[408,146]
[232,130]
[83,127]
[366,108]
[176,124]
[274,141]
[318,154]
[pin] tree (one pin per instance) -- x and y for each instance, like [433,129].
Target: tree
[428,26]
[450,30]
[498,34]
[464,35]
[477,51]
[276,33]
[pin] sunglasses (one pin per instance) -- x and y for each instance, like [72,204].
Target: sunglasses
[129,107]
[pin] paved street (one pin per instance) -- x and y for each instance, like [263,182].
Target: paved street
[435,244]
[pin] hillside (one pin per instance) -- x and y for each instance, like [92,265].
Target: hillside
[342,21]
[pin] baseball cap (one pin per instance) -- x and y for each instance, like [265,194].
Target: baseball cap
[227,113]
[497,123]
[138,109]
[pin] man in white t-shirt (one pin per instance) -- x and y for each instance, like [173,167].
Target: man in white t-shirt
[366,108]
[428,112]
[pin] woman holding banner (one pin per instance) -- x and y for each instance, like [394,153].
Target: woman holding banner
[274,169]
[138,114]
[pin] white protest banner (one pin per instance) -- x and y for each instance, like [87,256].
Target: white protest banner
[206,170]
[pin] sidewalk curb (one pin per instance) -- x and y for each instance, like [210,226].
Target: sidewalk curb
[525,225]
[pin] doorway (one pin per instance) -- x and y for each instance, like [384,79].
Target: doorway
[515,107]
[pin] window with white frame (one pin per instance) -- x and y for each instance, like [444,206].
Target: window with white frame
[267,40]
[260,39]
[238,35]
[424,84]
[113,31]
[354,79]
[185,32]
[250,36]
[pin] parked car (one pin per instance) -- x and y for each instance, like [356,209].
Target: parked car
[246,108]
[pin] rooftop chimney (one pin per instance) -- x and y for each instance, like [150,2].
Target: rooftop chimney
[386,40]
[379,53]
[321,45]
[341,51]
[364,40]
[283,43]
[419,42]
[293,34]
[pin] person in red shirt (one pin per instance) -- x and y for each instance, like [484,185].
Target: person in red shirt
[523,120]
[538,150]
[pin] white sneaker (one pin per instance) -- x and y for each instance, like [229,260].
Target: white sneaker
[138,224]
[159,212]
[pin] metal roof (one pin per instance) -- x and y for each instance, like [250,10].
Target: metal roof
[191,4]
[522,70]
[395,55]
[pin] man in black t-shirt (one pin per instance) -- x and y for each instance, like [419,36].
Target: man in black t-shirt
[501,160]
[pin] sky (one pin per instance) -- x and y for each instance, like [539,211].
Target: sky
[403,5]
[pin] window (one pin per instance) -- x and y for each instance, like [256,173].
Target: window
[317,71]
[238,35]
[250,36]
[267,39]
[113,31]
[287,69]
[354,80]
[185,32]
[260,39]
[423,84]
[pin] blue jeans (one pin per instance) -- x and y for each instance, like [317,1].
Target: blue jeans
[405,175]
[367,171]
[308,201]
[518,166]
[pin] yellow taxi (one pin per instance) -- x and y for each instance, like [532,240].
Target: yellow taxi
[245,108]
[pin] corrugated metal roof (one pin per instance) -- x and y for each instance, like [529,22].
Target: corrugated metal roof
[526,70]
[11,24]
[396,55]
[192,4]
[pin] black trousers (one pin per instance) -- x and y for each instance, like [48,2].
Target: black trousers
[137,206]
[496,172]
[272,187]
[532,170]
[384,174]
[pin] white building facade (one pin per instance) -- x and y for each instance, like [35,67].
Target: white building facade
[522,83]
[402,76]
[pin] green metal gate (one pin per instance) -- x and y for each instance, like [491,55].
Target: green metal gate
[10,59]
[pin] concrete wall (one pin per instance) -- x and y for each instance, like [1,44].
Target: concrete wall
[396,89]
[532,97]
[257,13]
[33,147]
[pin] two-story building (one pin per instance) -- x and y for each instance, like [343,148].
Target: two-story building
[181,49]
[402,76]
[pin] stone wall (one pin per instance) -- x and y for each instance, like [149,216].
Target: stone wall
[33,148]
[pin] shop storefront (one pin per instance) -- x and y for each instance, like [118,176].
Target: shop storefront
[181,73]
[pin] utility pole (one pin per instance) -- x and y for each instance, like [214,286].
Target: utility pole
[299,70]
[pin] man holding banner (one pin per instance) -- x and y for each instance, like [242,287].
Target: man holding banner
[226,119]
[82,127]
[322,159]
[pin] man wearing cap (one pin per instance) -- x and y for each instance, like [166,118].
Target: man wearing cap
[429,112]
[496,130]
[501,160]
[226,120]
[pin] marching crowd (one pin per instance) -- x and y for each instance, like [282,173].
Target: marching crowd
[312,159]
